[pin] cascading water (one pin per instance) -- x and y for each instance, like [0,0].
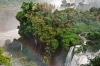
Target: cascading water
[84,39]
[83,58]
[77,58]
[69,57]
[80,58]
[21,47]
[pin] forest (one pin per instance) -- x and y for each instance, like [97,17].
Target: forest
[57,30]
[53,32]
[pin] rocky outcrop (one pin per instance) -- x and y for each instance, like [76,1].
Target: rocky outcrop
[89,42]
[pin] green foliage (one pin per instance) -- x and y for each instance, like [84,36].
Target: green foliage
[28,6]
[25,23]
[20,16]
[47,27]
[3,59]
[95,10]
[95,37]
[56,30]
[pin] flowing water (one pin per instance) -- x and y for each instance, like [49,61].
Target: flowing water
[84,39]
[69,57]
[83,58]
[80,58]
[21,47]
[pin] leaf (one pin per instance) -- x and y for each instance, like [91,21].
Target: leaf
[54,43]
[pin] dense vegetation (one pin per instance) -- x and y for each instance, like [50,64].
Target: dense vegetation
[56,30]
[95,37]
[3,59]
[52,30]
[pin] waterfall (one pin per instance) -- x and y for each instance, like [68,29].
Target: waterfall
[21,47]
[84,39]
[82,58]
[69,57]
[36,42]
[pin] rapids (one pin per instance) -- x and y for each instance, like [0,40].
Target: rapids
[80,58]
[69,57]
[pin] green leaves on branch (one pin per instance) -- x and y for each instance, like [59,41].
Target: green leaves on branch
[28,6]
[3,59]
[52,29]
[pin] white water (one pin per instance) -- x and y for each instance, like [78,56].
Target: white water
[84,39]
[36,42]
[83,58]
[77,59]
[21,47]
[80,58]
[69,57]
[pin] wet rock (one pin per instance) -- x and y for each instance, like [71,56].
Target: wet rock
[89,42]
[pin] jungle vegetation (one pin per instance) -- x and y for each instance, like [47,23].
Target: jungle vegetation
[3,59]
[56,30]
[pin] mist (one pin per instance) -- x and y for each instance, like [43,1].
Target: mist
[57,3]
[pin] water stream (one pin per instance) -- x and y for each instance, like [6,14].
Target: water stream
[21,47]
[72,60]
[79,58]
[69,57]
[83,39]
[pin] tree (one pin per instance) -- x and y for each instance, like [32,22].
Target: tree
[47,27]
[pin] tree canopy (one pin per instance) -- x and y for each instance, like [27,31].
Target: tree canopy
[56,30]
